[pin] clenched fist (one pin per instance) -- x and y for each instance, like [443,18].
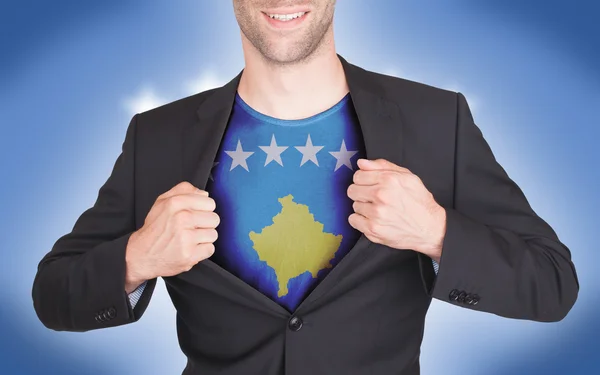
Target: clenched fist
[178,232]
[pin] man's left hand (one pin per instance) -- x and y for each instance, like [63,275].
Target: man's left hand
[393,207]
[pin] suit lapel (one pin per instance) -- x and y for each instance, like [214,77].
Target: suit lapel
[381,126]
[201,139]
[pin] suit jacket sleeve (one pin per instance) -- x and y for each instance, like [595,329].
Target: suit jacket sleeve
[496,248]
[80,283]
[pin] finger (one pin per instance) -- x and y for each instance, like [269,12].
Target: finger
[361,193]
[203,251]
[365,177]
[364,209]
[183,187]
[357,221]
[198,219]
[189,201]
[368,177]
[380,164]
[204,235]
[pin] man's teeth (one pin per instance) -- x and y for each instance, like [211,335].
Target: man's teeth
[286,17]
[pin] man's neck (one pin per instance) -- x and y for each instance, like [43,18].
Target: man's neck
[293,92]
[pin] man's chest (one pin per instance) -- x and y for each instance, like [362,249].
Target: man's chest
[281,195]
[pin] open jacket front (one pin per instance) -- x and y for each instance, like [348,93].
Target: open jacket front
[367,316]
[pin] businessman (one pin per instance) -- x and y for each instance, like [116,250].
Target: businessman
[298,216]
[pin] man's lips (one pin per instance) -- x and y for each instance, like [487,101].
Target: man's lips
[287,24]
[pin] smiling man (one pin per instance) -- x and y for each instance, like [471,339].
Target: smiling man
[304,215]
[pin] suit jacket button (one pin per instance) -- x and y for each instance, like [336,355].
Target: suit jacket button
[453,295]
[97,317]
[295,324]
[461,297]
[469,299]
[105,315]
[112,312]
[475,299]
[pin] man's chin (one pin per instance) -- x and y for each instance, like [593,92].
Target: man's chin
[285,57]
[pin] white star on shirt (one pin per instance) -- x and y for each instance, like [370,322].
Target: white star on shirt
[273,151]
[343,157]
[239,157]
[309,152]
[210,174]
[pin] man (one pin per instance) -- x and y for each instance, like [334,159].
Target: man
[322,263]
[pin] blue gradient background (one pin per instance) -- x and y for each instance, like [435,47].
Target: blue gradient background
[72,74]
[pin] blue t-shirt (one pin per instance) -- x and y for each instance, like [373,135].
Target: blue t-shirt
[280,188]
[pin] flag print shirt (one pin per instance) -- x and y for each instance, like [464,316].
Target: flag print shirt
[280,188]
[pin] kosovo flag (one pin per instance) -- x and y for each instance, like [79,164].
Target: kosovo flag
[280,188]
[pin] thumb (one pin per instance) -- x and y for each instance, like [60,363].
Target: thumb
[370,164]
[379,164]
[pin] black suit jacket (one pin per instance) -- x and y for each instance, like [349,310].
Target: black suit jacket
[367,316]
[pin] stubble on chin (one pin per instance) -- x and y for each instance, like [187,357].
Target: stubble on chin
[302,49]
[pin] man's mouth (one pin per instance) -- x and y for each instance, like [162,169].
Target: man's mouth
[285,20]
[286,17]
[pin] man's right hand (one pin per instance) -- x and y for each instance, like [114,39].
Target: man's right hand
[178,232]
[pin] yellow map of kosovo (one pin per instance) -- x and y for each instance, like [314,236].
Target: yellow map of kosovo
[295,243]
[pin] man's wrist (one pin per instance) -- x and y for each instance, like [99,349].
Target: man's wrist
[436,240]
[133,276]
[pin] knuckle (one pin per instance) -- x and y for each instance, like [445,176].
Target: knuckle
[380,194]
[417,179]
[173,203]
[368,227]
[188,255]
[412,179]
[182,217]
[373,229]
[184,239]
[388,179]
[378,210]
